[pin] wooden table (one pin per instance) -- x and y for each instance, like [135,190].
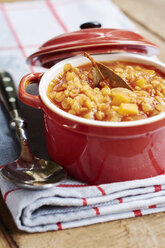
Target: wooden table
[142,232]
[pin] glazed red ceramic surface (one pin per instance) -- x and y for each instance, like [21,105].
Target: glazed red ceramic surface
[94,41]
[97,151]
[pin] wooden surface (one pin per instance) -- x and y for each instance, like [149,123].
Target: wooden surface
[142,232]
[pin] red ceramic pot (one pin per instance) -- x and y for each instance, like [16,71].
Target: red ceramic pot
[97,151]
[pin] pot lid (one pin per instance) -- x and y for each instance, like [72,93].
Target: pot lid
[93,41]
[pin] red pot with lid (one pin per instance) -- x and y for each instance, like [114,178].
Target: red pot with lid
[94,151]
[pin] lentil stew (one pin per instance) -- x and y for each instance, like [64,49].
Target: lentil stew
[74,92]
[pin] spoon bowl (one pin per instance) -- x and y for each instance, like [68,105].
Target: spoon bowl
[42,175]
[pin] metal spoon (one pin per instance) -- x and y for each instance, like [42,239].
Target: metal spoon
[27,171]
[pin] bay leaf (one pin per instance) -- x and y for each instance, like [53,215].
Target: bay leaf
[102,72]
[111,77]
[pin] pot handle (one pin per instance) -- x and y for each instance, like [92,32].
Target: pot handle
[31,100]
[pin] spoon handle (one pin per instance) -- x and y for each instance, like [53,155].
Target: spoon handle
[10,100]
[8,94]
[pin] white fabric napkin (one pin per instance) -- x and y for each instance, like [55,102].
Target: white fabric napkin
[72,204]
[24,27]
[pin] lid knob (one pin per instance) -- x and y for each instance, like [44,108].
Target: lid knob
[90,25]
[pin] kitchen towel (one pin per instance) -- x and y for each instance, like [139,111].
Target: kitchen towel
[24,27]
[71,203]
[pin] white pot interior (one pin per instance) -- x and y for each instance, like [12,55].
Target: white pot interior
[79,60]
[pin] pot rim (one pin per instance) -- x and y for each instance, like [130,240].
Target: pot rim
[79,60]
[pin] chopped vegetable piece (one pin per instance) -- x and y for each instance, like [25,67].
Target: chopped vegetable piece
[128,109]
[119,98]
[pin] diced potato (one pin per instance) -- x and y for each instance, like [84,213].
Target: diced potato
[119,98]
[128,109]
[141,83]
[124,91]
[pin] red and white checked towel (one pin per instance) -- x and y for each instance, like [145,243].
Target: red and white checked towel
[24,27]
